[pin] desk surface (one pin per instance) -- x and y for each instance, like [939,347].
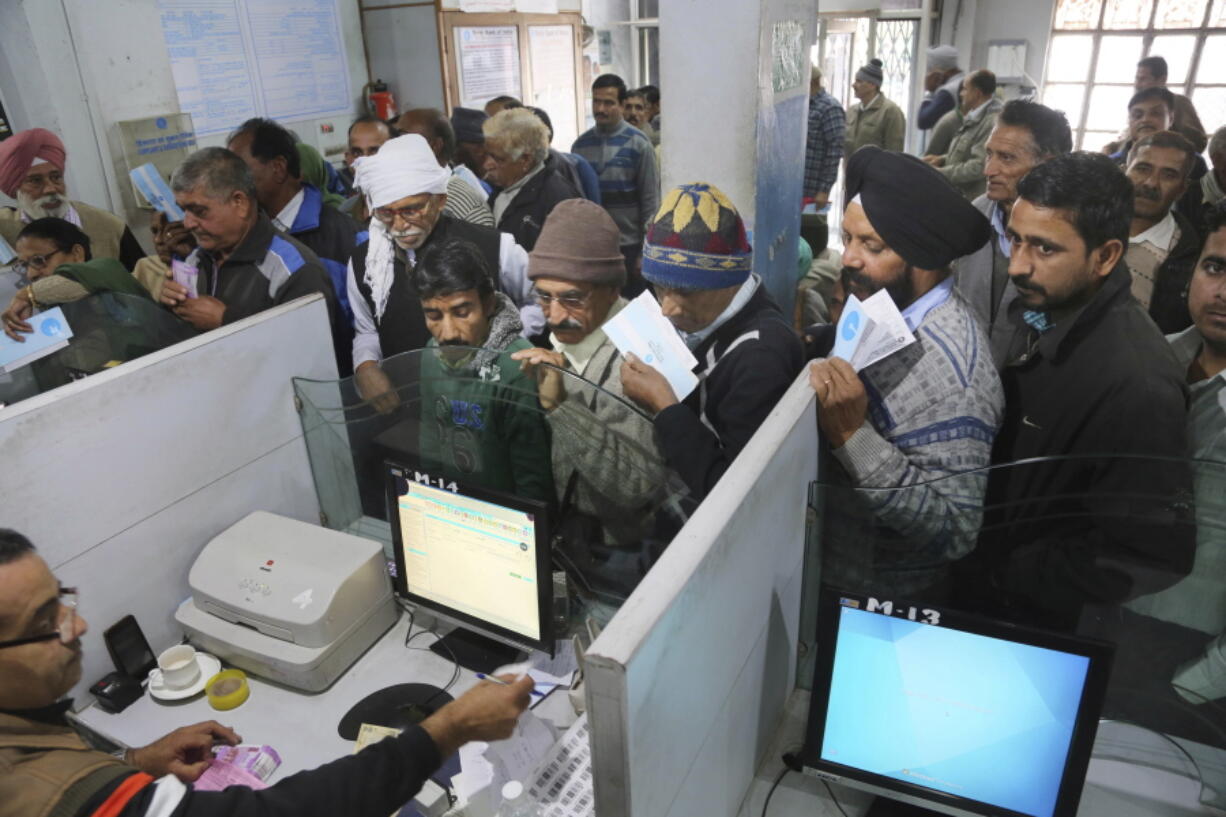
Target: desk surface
[302,726]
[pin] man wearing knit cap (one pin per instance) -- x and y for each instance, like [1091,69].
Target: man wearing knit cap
[698,261]
[32,166]
[874,120]
[406,190]
[907,432]
[601,445]
[943,86]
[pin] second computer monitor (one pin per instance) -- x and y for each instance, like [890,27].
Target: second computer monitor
[478,558]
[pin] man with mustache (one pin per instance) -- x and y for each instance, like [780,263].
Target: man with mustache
[909,432]
[243,264]
[406,190]
[624,160]
[1094,506]
[1149,111]
[1026,134]
[1162,244]
[480,423]
[600,445]
[48,769]
[32,166]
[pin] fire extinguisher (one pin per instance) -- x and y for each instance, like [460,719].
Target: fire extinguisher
[379,100]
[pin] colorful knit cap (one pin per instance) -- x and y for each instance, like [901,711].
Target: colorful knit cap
[697,241]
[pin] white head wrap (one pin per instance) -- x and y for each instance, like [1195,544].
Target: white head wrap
[403,167]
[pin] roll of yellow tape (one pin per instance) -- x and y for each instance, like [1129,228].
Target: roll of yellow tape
[227,689]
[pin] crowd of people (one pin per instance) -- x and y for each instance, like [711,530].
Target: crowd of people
[1029,456]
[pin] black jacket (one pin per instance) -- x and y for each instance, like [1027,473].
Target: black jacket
[1169,304]
[1063,537]
[373,783]
[744,367]
[527,212]
[331,235]
[267,269]
[403,327]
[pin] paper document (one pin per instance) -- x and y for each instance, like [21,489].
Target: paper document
[516,757]
[51,333]
[559,670]
[7,253]
[870,330]
[562,785]
[155,190]
[641,329]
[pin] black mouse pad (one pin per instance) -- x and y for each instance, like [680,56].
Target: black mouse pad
[396,707]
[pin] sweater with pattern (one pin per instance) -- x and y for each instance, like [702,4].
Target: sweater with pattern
[905,496]
[625,163]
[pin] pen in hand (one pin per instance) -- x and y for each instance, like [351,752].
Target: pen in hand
[501,682]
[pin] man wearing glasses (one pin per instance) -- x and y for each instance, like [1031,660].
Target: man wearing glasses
[604,452]
[47,769]
[406,191]
[32,166]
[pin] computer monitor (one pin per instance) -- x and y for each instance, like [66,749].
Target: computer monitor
[956,713]
[474,557]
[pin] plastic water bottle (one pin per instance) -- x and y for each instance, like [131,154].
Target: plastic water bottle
[517,802]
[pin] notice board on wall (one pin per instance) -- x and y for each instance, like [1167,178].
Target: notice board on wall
[535,58]
[235,59]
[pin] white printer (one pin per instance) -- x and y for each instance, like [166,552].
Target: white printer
[288,601]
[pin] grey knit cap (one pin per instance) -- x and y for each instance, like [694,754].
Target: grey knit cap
[871,73]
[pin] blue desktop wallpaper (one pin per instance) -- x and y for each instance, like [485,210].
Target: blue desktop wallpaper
[962,713]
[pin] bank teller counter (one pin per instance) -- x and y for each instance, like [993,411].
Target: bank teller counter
[469,419]
[107,329]
[1141,569]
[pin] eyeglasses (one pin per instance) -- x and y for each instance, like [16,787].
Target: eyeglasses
[568,300]
[67,625]
[38,183]
[38,262]
[388,214]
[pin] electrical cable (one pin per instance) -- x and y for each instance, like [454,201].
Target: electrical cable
[771,793]
[834,799]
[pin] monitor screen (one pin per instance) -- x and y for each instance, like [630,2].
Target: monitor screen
[478,557]
[966,715]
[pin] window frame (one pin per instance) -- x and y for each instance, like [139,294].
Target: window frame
[1188,87]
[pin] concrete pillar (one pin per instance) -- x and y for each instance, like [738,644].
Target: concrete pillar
[734,80]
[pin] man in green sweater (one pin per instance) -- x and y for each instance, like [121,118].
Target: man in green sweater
[480,418]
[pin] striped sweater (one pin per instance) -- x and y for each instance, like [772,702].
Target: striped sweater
[904,497]
[625,162]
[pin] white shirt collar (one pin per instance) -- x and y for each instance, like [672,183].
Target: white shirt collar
[285,219]
[1159,235]
[695,339]
[503,200]
[978,112]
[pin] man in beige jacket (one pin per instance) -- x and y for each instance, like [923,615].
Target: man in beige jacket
[874,120]
[962,164]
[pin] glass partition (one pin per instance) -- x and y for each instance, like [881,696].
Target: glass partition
[1141,565]
[475,416]
[107,329]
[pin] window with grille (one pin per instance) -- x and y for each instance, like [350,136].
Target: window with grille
[1095,46]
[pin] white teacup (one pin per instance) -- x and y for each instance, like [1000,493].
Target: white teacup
[179,667]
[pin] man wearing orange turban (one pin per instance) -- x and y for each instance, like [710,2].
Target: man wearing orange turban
[32,171]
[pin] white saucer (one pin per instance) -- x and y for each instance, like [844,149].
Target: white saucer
[209,666]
